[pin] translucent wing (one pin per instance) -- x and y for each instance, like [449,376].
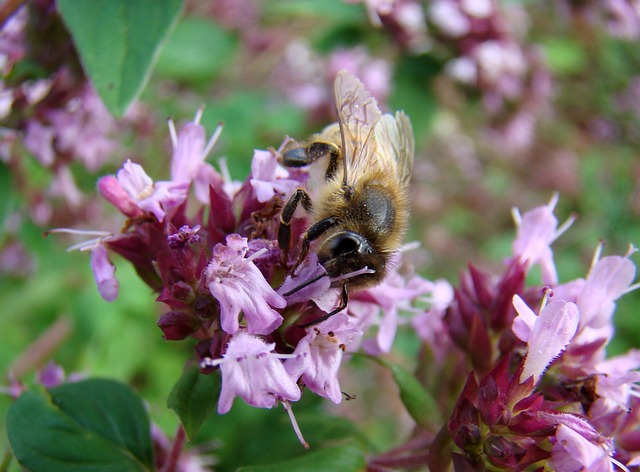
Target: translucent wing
[358,114]
[394,136]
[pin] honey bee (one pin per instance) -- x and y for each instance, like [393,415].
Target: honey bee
[357,193]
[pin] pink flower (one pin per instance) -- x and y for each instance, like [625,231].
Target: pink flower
[375,73]
[537,229]
[449,18]
[319,354]
[190,149]
[51,375]
[251,371]
[83,127]
[268,177]
[157,197]
[608,279]
[572,452]
[546,335]
[39,140]
[104,273]
[616,380]
[430,325]
[380,305]
[111,190]
[239,286]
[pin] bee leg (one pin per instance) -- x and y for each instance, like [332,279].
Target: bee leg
[344,300]
[284,230]
[313,233]
[300,157]
[332,168]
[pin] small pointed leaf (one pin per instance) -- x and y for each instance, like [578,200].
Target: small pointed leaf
[118,41]
[194,398]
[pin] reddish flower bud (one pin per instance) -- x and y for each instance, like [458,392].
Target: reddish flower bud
[112,191]
[176,325]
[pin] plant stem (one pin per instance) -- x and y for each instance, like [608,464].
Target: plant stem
[176,450]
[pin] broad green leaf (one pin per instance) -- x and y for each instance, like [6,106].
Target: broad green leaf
[118,41]
[417,400]
[196,51]
[193,398]
[335,459]
[93,425]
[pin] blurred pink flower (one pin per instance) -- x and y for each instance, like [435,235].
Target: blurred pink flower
[537,230]
[39,140]
[380,306]
[608,279]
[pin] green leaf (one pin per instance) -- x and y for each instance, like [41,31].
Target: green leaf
[118,41]
[335,459]
[196,51]
[93,425]
[564,55]
[417,400]
[193,398]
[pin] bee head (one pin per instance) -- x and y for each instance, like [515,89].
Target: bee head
[346,252]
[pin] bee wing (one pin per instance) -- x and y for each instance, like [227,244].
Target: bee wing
[358,114]
[394,136]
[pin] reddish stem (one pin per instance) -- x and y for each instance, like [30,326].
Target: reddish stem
[176,450]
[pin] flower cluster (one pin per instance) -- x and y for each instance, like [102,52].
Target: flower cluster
[541,390]
[482,44]
[307,77]
[404,19]
[50,110]
[621,18]
[208,246]
[488,56]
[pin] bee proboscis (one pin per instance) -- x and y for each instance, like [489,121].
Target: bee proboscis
[357,193]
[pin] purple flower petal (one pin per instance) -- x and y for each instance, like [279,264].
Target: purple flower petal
[268,177]
[251,371]
[319,355]
[552,331]
[607,280]
[572,451]
[188,153]
[536,231]
[104,273]
[524,322]
[239,286]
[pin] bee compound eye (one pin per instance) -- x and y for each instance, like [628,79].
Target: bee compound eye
[347,243]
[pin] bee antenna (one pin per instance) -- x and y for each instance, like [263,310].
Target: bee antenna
[303,285]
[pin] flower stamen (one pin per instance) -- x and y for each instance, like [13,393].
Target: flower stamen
[294,424]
